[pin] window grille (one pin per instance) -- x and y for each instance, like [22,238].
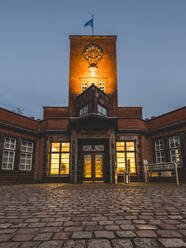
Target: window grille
[8,153]
[25,162]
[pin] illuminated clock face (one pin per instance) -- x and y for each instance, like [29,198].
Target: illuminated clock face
[93,53]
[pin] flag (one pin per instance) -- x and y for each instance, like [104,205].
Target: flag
[89,23]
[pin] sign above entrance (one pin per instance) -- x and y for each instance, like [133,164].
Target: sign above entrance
[93,148]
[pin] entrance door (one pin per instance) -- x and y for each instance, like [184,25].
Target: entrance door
[93,166]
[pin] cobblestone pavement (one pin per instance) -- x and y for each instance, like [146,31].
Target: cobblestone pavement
[93,216]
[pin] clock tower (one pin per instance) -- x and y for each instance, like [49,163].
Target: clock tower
[93,62]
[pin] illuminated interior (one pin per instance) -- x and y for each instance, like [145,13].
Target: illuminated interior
[98,165]
[59,155]
[177,155]
[126,155]
[94,170]
[87,166]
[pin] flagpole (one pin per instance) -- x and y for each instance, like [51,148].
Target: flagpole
[92,24]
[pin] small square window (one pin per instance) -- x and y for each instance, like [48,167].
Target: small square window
[26,146]
[174,142]
[9,143]
[159,145]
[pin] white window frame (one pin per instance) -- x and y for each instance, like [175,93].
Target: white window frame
[8,144]
[160,157]
[9,147]
[8,160]
[175,140]
[25,148]
[25,163]
[159,145]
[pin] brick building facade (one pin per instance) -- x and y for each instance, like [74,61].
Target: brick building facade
[93,139]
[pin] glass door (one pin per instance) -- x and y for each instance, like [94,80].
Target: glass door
[87,166]
[93,166]
[98,166]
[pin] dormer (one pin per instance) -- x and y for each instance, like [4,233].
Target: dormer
[92,101]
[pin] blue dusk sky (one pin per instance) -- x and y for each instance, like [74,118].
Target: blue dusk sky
[151,51]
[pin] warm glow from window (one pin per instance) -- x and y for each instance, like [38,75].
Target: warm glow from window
[98,166]
[120,146]
[126,156]
[130,146]
[97,83]
[154,174]
[54,164]
[87,166]
[55,147]
[59,158]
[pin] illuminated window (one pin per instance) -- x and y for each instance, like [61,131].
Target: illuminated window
[59,156]
[175,156]
[8,153]
[25,162]
[102,110]
[126,155]
[86,85]
[175,151]
[102,86]
[83,110]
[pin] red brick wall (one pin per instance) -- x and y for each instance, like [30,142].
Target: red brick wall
[168,132]
[146,149]
[39,159]
[168,119]
[17,134]
[132,124]
[18,120]
[106,66]
[135,112]
[52,112]
[54,124]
